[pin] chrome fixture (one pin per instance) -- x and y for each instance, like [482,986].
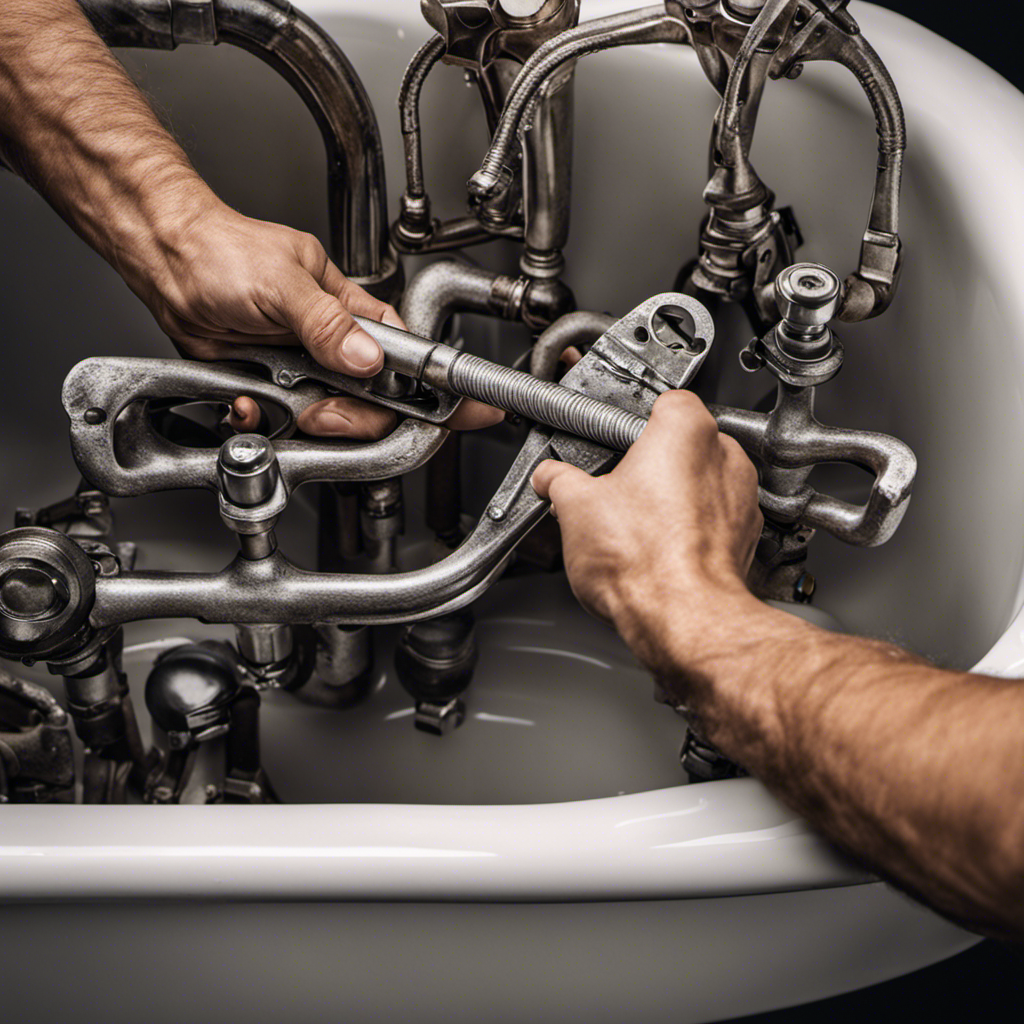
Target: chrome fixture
[68,587]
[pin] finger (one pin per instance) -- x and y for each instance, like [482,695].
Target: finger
[552,479]
[571,356]
[357,300]
[347,417]
[680,423]
[326,328]
[244,415]
[472,415]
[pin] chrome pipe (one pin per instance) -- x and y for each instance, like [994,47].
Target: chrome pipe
[572,329]
[645,25]
[414,222]
[444,288]
[314,65]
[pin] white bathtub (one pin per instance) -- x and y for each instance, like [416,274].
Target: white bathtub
[543,863]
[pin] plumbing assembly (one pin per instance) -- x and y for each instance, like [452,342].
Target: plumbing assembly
[68,586]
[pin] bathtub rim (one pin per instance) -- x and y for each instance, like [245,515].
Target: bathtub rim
[151,861]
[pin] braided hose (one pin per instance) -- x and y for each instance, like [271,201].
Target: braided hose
[409,107]
[646,25]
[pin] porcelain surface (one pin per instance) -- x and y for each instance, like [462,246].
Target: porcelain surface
[544,863]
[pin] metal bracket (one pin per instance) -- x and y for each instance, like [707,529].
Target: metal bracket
[194,21]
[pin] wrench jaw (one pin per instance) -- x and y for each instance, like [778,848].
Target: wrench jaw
[657,347]
[118,450]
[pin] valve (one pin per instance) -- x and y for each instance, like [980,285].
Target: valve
[210,724]
[252,493]
[47,588]
[808,297]
[801,350]
[434,661]
[247,470]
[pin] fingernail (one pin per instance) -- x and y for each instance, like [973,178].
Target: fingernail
[333,423]
[360,349]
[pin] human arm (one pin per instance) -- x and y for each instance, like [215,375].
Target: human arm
[917,771]
[77,128]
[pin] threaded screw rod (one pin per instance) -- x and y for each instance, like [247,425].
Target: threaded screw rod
[541,401]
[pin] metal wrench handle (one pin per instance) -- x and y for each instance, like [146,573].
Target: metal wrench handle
[544,402]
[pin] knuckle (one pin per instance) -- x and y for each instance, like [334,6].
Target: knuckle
[563,488]
[308,248]
[326,322]
[683,407]
[734,452]
[740,464]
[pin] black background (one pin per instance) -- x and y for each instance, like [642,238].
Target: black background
[990,29]
[985,983]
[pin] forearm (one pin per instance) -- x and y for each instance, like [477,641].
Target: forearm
[76,127]
[918,771]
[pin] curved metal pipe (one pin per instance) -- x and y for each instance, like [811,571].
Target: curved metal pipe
[572,329]
[431,298]
[315,66]
[444,288]
[881,243]
[734,125]
[870,289]
[645,25]
[273,590]
[414,222]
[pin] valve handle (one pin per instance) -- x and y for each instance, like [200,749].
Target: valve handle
[809,443]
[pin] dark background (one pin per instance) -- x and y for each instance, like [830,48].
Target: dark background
[989,29]
[985,982]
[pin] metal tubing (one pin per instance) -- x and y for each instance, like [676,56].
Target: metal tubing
[431,298]
[734,126]
[409,109]
[442,289]
[571,329]
[645,25]
[882,236]
[415,223]
[870,289]
[547,179]
[274,589]
[314,65]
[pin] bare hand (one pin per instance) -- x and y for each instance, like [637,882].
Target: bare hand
[231,280]
[677,515]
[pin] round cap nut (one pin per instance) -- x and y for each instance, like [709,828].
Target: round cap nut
[521,8]
[47,589]
[30,592]
[248,471]
[807,294]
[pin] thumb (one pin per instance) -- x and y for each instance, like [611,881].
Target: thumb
[555,481]
[327,330]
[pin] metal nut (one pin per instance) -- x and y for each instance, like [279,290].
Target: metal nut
[807,294]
